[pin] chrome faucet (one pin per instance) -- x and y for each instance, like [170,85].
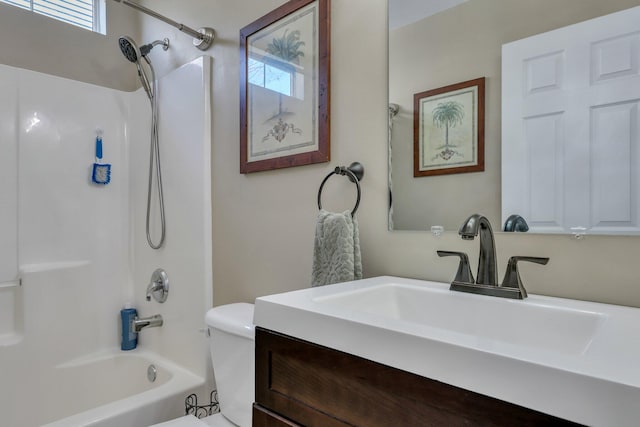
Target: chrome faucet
[487,265]
[486,282]
[153,287]
[515,223]
[139,323]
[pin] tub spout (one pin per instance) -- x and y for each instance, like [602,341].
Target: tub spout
[139,323]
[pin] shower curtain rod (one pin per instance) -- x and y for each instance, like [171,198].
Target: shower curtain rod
[202,39]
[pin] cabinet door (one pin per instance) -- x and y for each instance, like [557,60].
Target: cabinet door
[321,387]
[262,417]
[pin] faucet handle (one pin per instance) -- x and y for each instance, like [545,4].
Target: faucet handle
[512,276]
[158,286]
[463,275]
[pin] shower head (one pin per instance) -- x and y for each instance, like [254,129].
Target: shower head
[129,49]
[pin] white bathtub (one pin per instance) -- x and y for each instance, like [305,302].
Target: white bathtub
[107,390]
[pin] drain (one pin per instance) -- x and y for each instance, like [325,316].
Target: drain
[152,373]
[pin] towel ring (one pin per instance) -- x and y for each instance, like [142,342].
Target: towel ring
[354,172]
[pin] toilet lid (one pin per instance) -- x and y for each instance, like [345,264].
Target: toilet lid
[235,319]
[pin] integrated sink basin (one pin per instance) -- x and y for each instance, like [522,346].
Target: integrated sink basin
[572,359]
[479,318]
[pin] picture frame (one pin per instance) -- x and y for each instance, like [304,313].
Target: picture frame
[285,87]
[448,129]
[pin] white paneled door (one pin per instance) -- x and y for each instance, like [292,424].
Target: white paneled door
[570,117]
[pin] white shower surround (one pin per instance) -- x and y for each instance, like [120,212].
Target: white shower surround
[80,249]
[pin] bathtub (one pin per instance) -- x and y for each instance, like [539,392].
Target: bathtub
[109,389]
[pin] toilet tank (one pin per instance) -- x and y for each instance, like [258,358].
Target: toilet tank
[232,345]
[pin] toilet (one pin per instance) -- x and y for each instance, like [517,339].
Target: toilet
[232,346]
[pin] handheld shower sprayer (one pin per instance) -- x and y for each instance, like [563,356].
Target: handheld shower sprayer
[133,54]
[131,51]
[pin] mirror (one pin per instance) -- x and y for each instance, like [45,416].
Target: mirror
[437,43]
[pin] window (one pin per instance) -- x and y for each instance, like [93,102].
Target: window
[87,14]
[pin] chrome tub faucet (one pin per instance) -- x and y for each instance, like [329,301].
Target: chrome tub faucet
[139,323]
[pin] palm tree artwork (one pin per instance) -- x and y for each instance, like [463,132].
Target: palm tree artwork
[447,115]
[288,48]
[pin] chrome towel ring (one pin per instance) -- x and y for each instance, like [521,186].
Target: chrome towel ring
[354,172]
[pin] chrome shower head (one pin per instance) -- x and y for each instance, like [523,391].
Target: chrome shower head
[129,49]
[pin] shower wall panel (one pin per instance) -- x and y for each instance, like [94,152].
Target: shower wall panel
[64,218]
[8,176]
[184,131]
[52,217]
[80,248]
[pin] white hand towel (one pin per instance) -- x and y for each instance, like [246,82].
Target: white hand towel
[336,251]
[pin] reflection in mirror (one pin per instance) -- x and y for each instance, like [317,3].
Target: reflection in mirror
[569,126]
[515,223]
[456,41]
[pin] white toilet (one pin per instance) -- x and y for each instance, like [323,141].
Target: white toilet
[232,346]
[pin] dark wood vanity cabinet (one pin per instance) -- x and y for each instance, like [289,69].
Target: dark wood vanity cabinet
[303,384]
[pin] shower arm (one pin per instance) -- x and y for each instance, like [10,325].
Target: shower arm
[202,39]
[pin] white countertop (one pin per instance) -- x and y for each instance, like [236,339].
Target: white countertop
[595,381]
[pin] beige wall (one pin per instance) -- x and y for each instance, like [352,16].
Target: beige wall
[38,43]
[263,223]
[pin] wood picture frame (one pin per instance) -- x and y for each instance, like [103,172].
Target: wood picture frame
[448,129]
[285,87]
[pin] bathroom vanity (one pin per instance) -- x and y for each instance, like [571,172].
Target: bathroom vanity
[392,351]
[303,384]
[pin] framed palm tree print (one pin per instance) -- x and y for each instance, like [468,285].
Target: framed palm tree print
[448,129]
[284,87]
